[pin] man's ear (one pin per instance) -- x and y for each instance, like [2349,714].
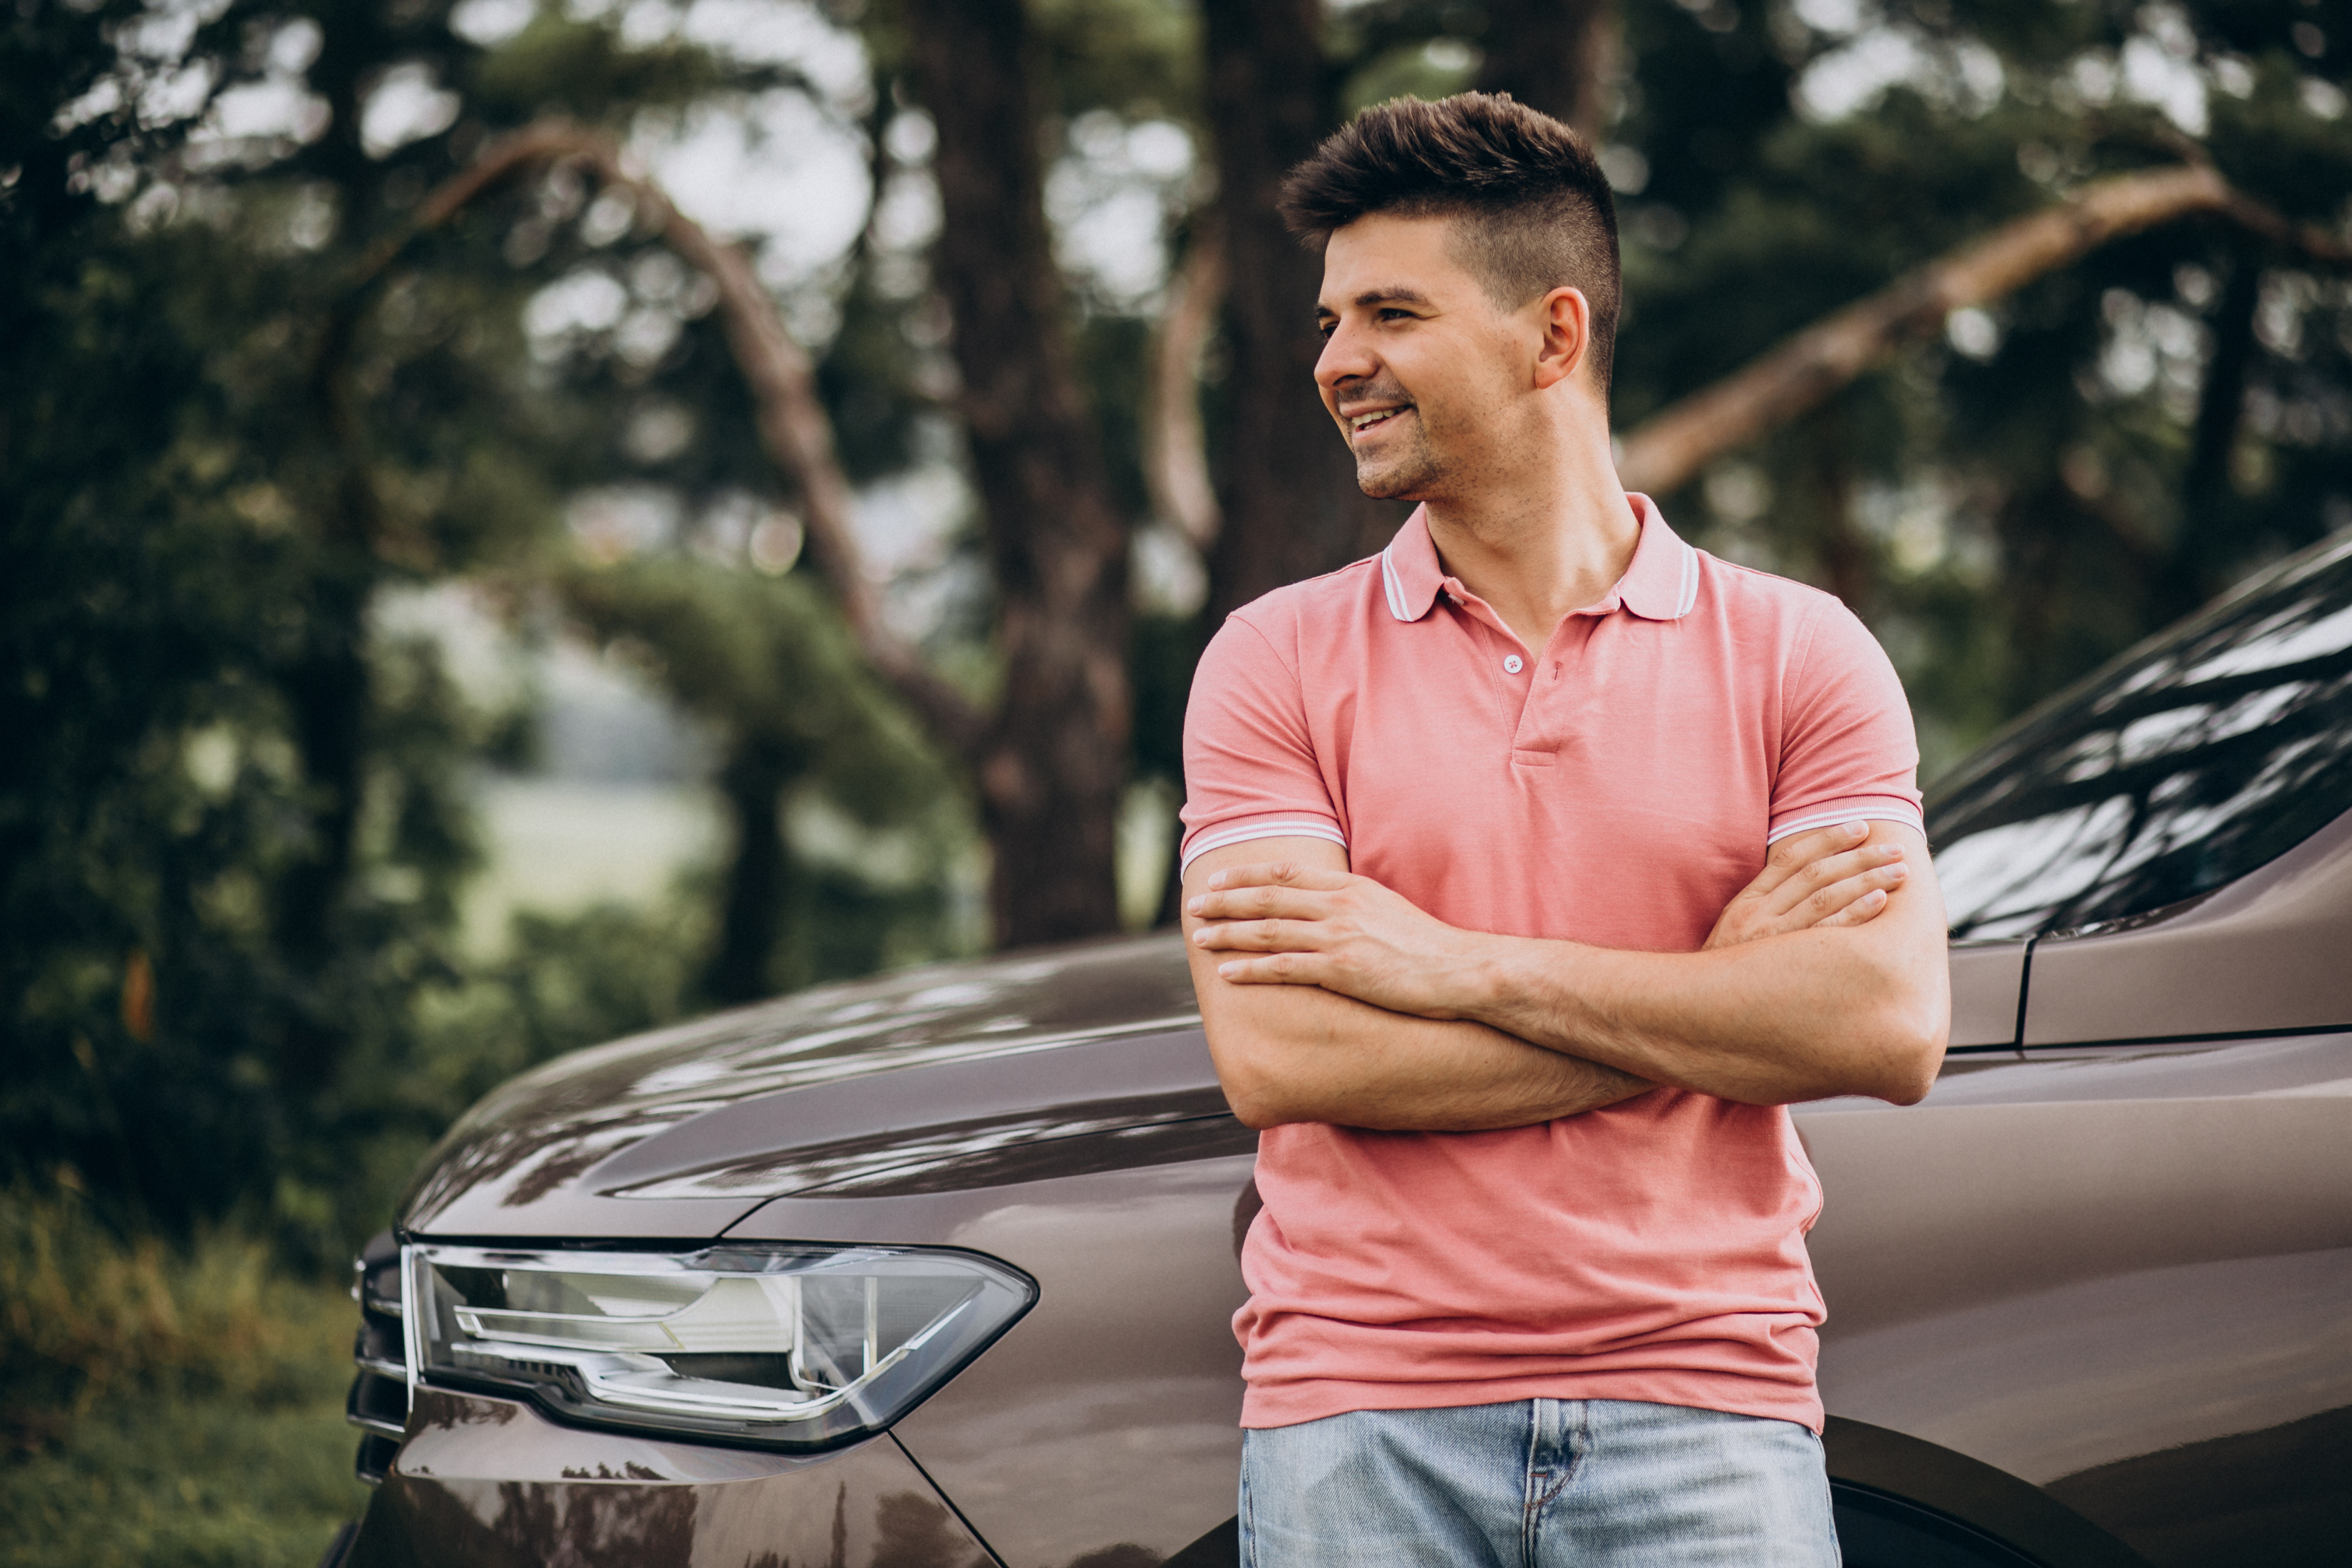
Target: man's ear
[1564,318]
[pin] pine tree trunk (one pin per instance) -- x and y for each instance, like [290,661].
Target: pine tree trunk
[751,784]
[327,697]
[328,693]
[1289,499]
[2202,554]
[1052,767]
[1555,56]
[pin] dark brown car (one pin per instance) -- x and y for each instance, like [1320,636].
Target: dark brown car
[938,1270]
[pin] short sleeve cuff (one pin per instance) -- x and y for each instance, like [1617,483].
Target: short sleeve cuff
[1241,830]
[1857,808]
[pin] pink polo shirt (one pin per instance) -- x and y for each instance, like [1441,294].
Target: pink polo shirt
[1617,790]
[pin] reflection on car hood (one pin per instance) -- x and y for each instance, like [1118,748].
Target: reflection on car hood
[830,1089]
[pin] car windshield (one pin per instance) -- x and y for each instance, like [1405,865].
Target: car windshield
[2185,764]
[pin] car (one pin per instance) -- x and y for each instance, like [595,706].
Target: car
[938,1269]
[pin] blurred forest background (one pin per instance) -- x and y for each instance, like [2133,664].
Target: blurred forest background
[521,520]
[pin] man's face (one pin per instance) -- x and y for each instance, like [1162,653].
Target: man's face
[1419,366]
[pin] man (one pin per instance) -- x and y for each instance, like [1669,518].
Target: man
[1486,937]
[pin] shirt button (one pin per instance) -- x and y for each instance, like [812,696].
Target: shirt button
[1513,664]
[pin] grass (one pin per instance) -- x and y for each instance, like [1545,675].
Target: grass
[165,1407]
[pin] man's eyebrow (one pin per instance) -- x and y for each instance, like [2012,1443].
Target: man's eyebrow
[1393,294]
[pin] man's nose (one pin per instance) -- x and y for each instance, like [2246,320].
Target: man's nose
[1345,357]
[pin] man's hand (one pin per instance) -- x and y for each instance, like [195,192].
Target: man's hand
[1825,878]
[1333,929]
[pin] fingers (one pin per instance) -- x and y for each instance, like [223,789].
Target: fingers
[1799,850]
[1809,880]
[1266,901]
[1840,897]
[1286,891]
[1862,911]
[1280,873]
[1260,936]
[1830,876]
[1277,969]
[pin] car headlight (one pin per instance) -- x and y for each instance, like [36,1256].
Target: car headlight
[794,1347]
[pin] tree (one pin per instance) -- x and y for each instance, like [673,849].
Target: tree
[250,413]
[201,943]
[1558,55]
[1665,451]
[1289,504]
[1050,770]
[2004,496]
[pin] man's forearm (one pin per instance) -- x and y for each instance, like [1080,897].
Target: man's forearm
[1811,1011]
[1800,1016]
[1299,1054]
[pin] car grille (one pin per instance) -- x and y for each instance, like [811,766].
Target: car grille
[378,1402]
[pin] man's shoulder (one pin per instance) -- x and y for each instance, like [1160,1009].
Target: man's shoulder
[1757,603]
[1313,605]
[1793,632]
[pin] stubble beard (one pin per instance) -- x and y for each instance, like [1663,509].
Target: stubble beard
[1408,475]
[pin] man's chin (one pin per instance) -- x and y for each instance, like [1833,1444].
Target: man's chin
[1391,481]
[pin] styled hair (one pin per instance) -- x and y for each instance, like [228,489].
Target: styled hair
[1531,207]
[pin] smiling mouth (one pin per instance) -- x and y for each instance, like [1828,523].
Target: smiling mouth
[1372,419]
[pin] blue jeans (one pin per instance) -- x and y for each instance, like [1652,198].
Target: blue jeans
[1534,1484]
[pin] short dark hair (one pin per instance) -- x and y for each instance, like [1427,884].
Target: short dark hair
[1533,207]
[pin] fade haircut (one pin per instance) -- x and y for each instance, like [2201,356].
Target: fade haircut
[1531,210]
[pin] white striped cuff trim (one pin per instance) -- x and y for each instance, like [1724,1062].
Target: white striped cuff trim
[1831,818]
[1391,586]
[1209,841]
[1689,593]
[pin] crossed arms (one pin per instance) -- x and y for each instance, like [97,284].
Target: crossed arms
[1329,999]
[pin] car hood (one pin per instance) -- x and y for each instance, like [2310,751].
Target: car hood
[841,1090]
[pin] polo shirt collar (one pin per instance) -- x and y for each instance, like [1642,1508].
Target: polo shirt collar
[1661,583]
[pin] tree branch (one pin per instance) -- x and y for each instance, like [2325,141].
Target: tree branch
[792,420]
[1666,450]
[1175,452]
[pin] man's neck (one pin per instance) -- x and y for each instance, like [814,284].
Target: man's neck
[1544,543]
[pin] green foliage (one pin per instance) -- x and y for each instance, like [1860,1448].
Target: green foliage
[96,1313]
[1139,59]
[235,815]
[560,65]
[801,720]
[164,1404]
[187,1483]
[572,980]
[760,653]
